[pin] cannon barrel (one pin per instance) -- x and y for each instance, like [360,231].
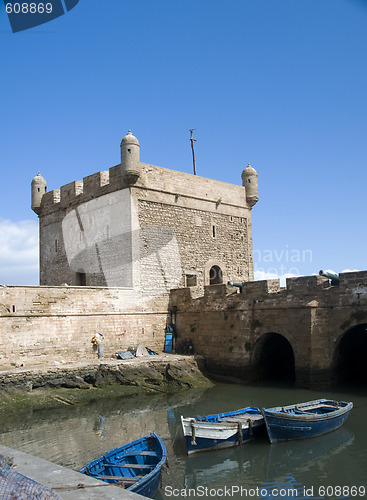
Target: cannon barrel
[234,284]
[332,276]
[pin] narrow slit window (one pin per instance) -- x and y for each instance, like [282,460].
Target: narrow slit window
[213,231]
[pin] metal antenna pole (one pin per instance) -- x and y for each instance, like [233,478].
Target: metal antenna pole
[192,147]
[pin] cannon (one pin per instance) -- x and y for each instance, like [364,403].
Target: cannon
[331,276]
[238,285]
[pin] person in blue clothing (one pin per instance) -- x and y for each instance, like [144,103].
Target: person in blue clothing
[97,341]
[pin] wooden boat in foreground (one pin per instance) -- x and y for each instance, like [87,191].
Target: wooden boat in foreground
[222,430]
[305,420]
[136,466]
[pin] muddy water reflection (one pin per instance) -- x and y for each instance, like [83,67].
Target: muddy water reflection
[74,435]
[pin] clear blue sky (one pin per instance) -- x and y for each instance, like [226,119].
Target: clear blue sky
[281,84]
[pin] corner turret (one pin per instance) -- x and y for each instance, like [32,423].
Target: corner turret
[130,157]
[38,189]
[249,181]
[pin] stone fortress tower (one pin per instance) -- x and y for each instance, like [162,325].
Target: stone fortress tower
[145,228]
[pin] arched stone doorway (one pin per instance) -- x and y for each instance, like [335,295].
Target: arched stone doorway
[273,359]
[350,356]
[215,275]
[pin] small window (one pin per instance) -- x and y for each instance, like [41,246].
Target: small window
[13,309]
[38,189]
[213,231]
[129,151]
[81,279]
[191,280]
[56,245]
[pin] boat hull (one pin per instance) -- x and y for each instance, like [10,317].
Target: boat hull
[298,421]
[221,431]
[136,466]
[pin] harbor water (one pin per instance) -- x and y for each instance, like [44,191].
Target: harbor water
[330,466]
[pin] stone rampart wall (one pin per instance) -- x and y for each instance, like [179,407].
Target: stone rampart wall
[46,324]
[56,324]
[225,325]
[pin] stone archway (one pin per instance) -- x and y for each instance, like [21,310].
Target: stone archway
[350,356]
[215,275]
[273,358]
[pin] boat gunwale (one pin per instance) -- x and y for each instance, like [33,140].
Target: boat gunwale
[217,417]
[279,412]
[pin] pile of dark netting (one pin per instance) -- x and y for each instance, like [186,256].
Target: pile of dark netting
[15,486]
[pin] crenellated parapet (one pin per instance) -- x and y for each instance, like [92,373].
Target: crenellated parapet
[303,291]
[177,186]
[76,192]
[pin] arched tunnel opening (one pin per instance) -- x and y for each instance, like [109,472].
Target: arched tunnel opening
[350,356]
[273,359]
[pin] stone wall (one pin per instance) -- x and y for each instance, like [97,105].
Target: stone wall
[56,324]
[228,328]
[203,239]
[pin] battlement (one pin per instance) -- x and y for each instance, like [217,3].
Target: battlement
[260,288]
[71,191]
[180,185]
[306,284]
[92,183]
[51,198]
[90,187]
[299,290]
[355,278]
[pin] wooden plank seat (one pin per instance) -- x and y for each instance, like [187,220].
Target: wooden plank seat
[241,418]
[129,466]
[125,479]
[317,407]
[137,466]
[147,453]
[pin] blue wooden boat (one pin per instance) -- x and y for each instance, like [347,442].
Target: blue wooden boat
[222,430]
[305,420]
[136,466]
